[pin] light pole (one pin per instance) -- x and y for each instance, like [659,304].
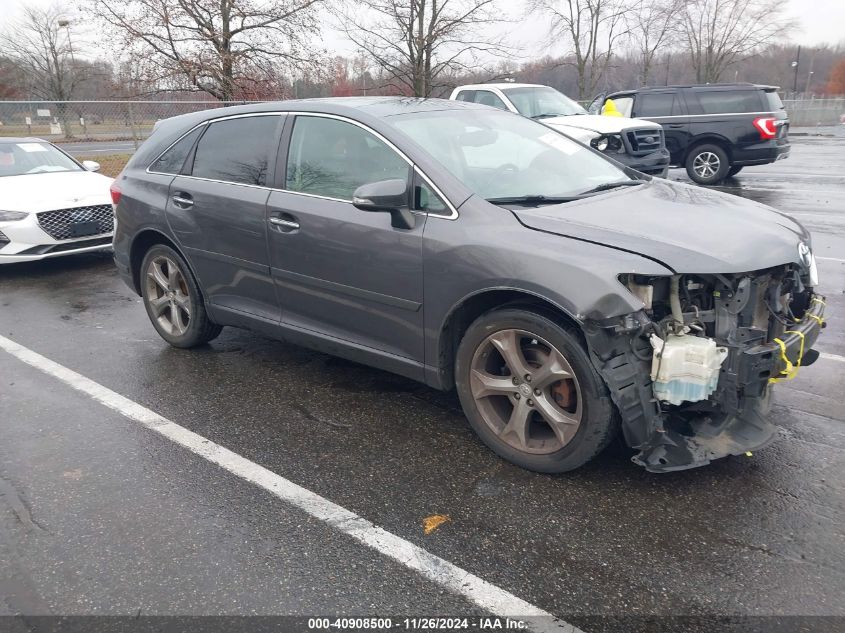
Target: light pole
[795,66]
[807,87]
[65,24]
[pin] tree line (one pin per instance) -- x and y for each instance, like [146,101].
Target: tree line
[267,49]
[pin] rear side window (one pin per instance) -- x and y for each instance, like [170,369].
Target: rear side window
[333,158]
[726,102]
[772,100]
[172,160]
[466,95]
[657,104]
[237,150]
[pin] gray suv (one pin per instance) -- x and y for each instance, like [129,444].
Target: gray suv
[564,296]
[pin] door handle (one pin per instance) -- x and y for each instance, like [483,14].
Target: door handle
[183,200]
[285,225]
[676,125]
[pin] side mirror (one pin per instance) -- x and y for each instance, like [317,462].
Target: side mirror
[91,165]
[390,196]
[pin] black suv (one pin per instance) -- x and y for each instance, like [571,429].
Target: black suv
[712,130]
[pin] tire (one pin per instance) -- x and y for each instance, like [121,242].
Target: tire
[734,170]
[173,299]
[707,164]
[496,401]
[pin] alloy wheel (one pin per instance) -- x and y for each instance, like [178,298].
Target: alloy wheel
[167,295]
[526,391]
[706,165]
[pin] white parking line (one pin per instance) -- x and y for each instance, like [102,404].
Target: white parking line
[451,577]
[831,259]
[836,357]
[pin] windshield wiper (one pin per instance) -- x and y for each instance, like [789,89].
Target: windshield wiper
[547,115]
[533,200]
[612,185]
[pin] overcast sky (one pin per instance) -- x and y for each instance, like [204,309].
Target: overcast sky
[819,22]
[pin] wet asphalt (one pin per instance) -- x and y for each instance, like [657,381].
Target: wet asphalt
[100,516]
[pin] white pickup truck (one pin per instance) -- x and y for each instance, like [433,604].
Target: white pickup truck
[637,143]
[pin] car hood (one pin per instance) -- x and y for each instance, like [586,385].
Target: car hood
[686,228]
[598,123]
[57,190]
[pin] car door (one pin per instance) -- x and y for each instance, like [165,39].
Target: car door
[217,210]
[341,272]
[668,109]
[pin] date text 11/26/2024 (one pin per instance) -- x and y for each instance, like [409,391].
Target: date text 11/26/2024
[418,624]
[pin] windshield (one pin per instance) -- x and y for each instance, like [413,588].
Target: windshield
[17,159]
[542,101]
[502,155]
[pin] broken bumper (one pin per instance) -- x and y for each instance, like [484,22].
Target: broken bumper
[691,441]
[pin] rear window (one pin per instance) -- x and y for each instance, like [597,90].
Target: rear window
[729,101]
[773,100]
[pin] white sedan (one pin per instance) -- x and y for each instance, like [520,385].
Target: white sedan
[50,204]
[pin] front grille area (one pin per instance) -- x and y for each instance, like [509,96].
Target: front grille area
[645,141]
[57,224]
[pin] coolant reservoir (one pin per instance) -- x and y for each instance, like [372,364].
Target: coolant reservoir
[685,368]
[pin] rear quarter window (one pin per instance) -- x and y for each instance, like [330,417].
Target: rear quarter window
[728,101]
[773,101]
[173,159]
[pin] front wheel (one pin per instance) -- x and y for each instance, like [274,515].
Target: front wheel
[707,164]
[531,393]
[173,299]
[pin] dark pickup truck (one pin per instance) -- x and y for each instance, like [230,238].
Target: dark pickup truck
[712,130]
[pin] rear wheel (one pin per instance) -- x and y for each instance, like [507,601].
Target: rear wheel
[734,170]
[531,393]
[173,299]
[707,164]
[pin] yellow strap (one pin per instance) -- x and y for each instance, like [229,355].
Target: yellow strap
[817,318]
[800,350]
[817,300]
[788,372]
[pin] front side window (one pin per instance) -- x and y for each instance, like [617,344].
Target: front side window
[466,95]
[172,160]
[237,150]
[332,158]
[485,97]
[498,155]
[18,159]
[537,102]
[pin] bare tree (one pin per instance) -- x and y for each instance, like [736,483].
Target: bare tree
[592,28]
[651,24]
[39,45]
[719,33]
[418,44]
[221,47]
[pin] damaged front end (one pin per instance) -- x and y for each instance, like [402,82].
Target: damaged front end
[691,373]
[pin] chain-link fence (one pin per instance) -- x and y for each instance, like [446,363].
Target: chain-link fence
[134,120]
[815,112]
[92,120]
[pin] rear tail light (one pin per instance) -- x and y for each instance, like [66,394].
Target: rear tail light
[115,193]
[767,128]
